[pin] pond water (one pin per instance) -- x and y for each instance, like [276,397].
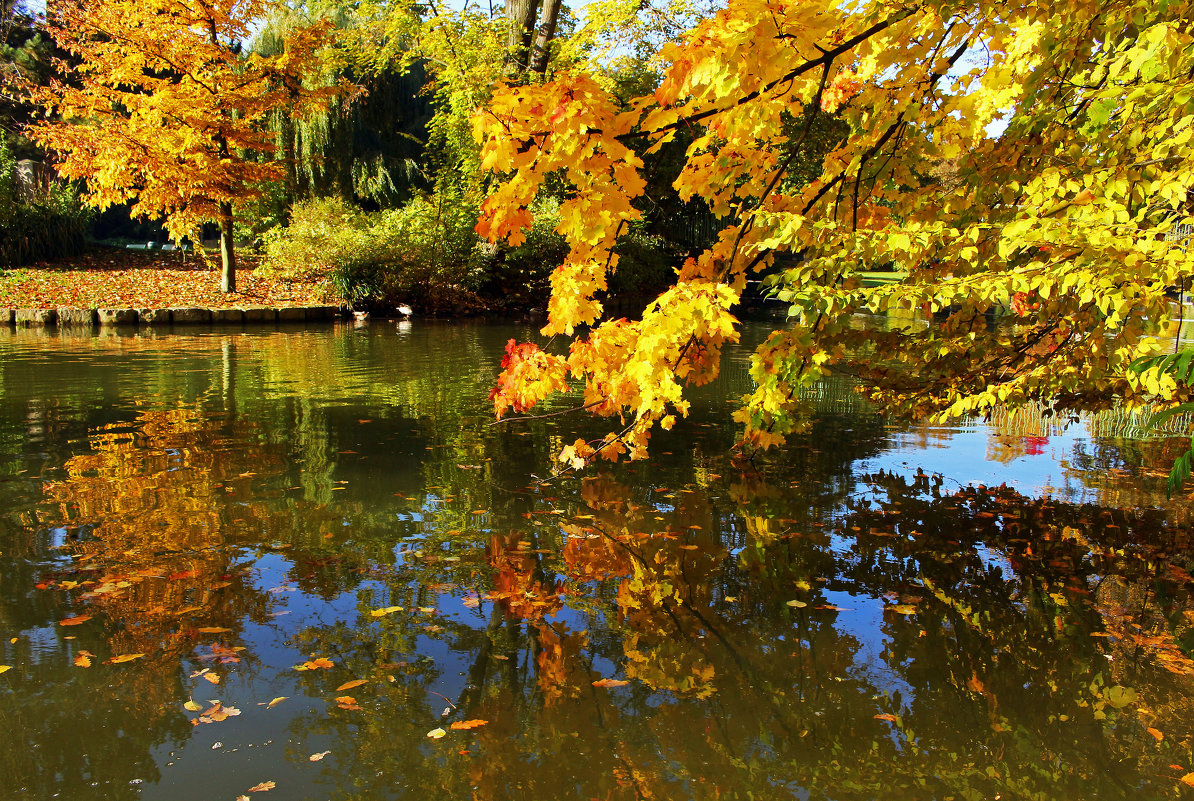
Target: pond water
[304,564]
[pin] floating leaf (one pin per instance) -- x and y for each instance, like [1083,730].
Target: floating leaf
[116,660]
[903,609]
[262,787]
[276,701]
[316,664]
[1156,733]
[887,716]
[385,611]
[213,630]
[1187,779]
[468,724]
[797,604]
[346,702]
[610,683]
[317,757]
[5,668]
[348,685]
[214,678]
[83,660]
[435,734]
[192,706]
[74,621]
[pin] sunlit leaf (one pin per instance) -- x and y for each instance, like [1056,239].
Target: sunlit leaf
[83,660]
[262,787]
[5,668]
[435,734]
[797,604]
[386,611]
[192,706]
[887,716]
[348,685]
[214,678]
[610,683]
[116,660]
[347,702]
[903,609]
[74,621]
[1157,734]
[213,630]
[1187,779]
[276,701]
[316,664]
[468,724]
[317,757]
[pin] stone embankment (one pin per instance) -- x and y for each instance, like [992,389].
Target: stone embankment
[194,315]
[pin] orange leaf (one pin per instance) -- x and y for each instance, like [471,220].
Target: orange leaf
[348,685]
[213,630]
[1156,733]
[610,683]
[116,660]
[262,787]
[212,677]
[82,661]
[468,724]
[887,716]
[74,621]
[315,664]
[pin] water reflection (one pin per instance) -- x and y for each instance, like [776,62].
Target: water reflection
[847,619]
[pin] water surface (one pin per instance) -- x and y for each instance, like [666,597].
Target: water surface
[231,559]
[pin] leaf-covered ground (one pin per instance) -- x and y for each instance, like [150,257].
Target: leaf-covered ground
[110,278]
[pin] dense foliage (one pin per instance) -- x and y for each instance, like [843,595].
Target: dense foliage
[1022,161]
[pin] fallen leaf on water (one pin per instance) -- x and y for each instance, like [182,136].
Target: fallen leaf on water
[386,611]
[262,787]
[214,678]
[276,701]
[5,668]
[348,685]
[74,621]
[1187,779]
[192,706]
[797,604]
[887,716]
[435,734]
[1156,733]
[480,511]
[116,660]
[610,683]
[903,609]
[346,702]
[83,659]
[213,630]
[468,724]
[315,664]
[317,757]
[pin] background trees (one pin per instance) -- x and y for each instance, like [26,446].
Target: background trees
[168,112]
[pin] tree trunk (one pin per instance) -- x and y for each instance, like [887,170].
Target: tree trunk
[522,14]
[227,253]
[547,32]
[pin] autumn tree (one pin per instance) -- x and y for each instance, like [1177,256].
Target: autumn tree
[1067,134]
[167,112]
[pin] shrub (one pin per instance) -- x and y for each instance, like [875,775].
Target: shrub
[424,253]
[36,225]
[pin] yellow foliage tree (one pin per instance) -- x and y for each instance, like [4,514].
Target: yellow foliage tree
[1022,169]
[164,109]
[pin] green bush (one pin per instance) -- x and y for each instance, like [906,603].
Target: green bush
[424,253]
[51,225]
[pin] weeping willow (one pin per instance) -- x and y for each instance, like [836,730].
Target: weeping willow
[364,149]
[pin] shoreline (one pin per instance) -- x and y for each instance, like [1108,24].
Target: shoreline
[85,318]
